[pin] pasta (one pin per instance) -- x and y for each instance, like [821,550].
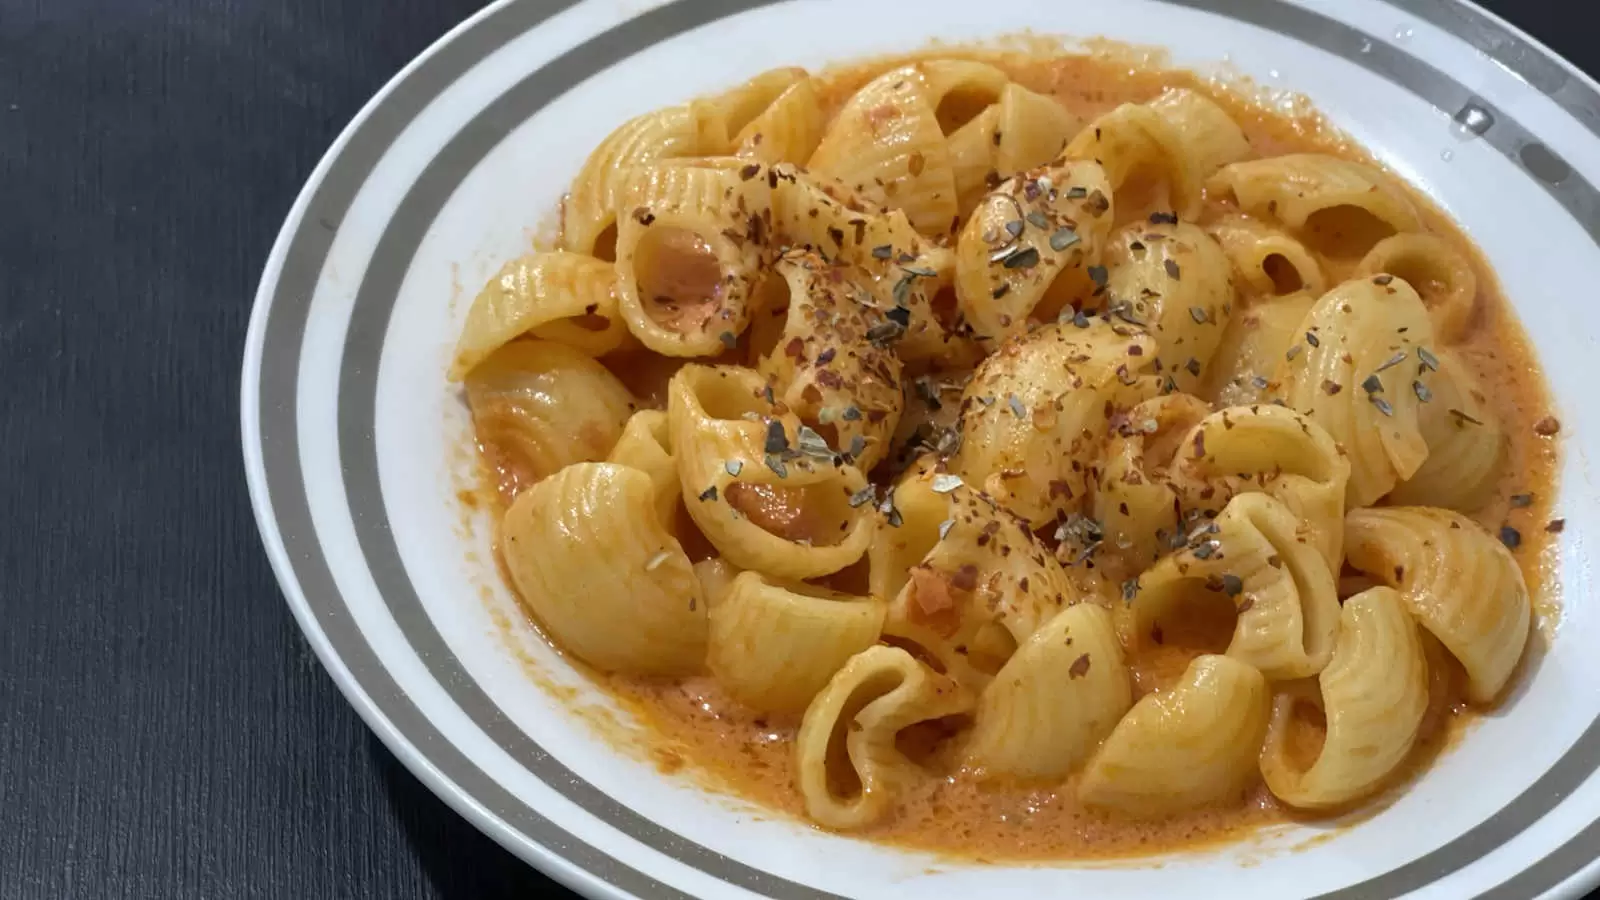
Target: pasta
[1457,580]
[918,444]
[1373,693]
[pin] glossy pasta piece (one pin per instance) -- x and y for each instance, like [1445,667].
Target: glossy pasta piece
[1256,558]
[898,548]
[773,117]
[1186,748]
[1466,443]
[1373,695]
[827,370]
[883,255]
[1054,701]
[716,577]
[774,646]
[1459,582]
[888,142]
[1360,381]
[589,215]
[538,406]
[1440,274]
[851,773]
[1034,416]
[981,588]
[1028,249]
[791,512]
[1032,130]
[1272,450]
[1339,207]
[1208,136]
[1175,280]
[972,150]
[646,445]
[690,246]
[560,296]
[1134,500]
[1144,158]
[1253,347]
[1266,261]
[586,551]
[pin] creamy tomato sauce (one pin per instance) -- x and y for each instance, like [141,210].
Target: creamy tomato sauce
[696,728]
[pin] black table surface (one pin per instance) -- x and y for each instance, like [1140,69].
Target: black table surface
[165,731]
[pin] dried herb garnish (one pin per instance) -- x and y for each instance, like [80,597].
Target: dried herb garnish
[1171,265]
[1422,392]
[1463,419]
[1382,279]
[900,315]
[1428,360]
[1372,385]
[1077,193]
[728,340]
[1198,315]
[902,294]
[812,444]
[709,493]
[1331,387]
[777,441]
[1206,549]
[1080,318]
[919,271]
[864,496]
[775,463]
[891,512]
[1383,405]
[1392,361]
[851,414]
[1521,501]
[1079,667]
[1291,353]
[925,389]
[858,445]
[1511,537]
[1023,259]
[944,484]
[749,172]
[1312,339]
[1037,220]
[1000,291]
[1163,218]
[733,467]
[1556,526]
[944,528]
[1548,426]
[1192,366]
[1063,238]
[1232,585]
[1098,275]
[1017,409]
[1014,228]
[1130,590]
[1259,382]
[882,252]
[826,356]
[885,333]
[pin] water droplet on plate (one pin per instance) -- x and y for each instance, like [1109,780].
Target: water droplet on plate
[1447,155]
[1472,121]
[1272,73]
[1366,46]
[1402,33]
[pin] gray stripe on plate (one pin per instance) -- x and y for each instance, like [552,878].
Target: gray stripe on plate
[359,453]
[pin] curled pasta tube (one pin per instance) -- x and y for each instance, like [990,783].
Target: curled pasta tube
[1441,275]
[1144,158]
[1256,559]
[766,497]
[773,117]
[1361,374]
[1272,450]
[889,141]
[826,369]
[1134,500]
[851,772]
[589,215]
[1268,262]
[1340,207]
[691,240]
[1054,701]
[1185,748]
[1035,414]
[564,297]
[1373,694]
[1177,281]
[1253,346]
[586,551]
[1206,133]
[646,445]
[774,646]
[1455,578]
[1466,443]
[1028,247]
[982,584]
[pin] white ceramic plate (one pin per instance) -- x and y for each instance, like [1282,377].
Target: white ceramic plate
[353,441]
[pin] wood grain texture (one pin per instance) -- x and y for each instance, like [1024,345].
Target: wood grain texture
[164,730]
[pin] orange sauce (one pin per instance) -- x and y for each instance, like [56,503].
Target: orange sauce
[695,728]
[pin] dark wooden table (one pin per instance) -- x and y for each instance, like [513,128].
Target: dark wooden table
[164,730]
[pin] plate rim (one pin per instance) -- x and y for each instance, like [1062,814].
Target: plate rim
[558,865]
